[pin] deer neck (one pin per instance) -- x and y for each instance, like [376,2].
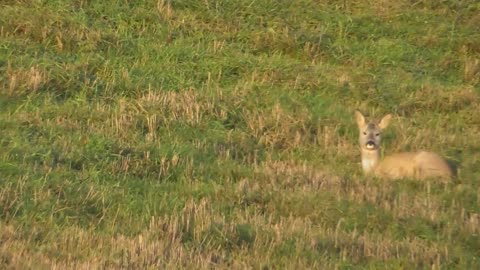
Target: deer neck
[370,160]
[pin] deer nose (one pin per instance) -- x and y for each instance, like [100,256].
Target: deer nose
[370,144]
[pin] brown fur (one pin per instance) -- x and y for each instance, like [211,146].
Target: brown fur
[418,165]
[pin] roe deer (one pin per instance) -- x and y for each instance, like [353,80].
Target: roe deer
[418,165]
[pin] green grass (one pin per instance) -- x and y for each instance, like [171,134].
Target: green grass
[204,134]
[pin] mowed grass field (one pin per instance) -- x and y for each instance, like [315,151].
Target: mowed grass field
[220,134]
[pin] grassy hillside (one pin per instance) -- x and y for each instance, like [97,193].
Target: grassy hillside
[201,134]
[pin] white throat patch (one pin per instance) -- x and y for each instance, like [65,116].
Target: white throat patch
[368,165]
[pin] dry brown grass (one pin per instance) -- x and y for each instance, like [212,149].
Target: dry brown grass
[208,235]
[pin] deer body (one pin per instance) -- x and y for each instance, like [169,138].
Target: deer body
[418,165]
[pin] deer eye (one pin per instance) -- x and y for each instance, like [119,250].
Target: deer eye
[364,133]
[377,134]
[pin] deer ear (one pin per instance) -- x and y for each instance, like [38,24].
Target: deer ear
[360,119]
[385,121]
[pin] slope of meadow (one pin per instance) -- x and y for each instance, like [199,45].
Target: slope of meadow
[200,134]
